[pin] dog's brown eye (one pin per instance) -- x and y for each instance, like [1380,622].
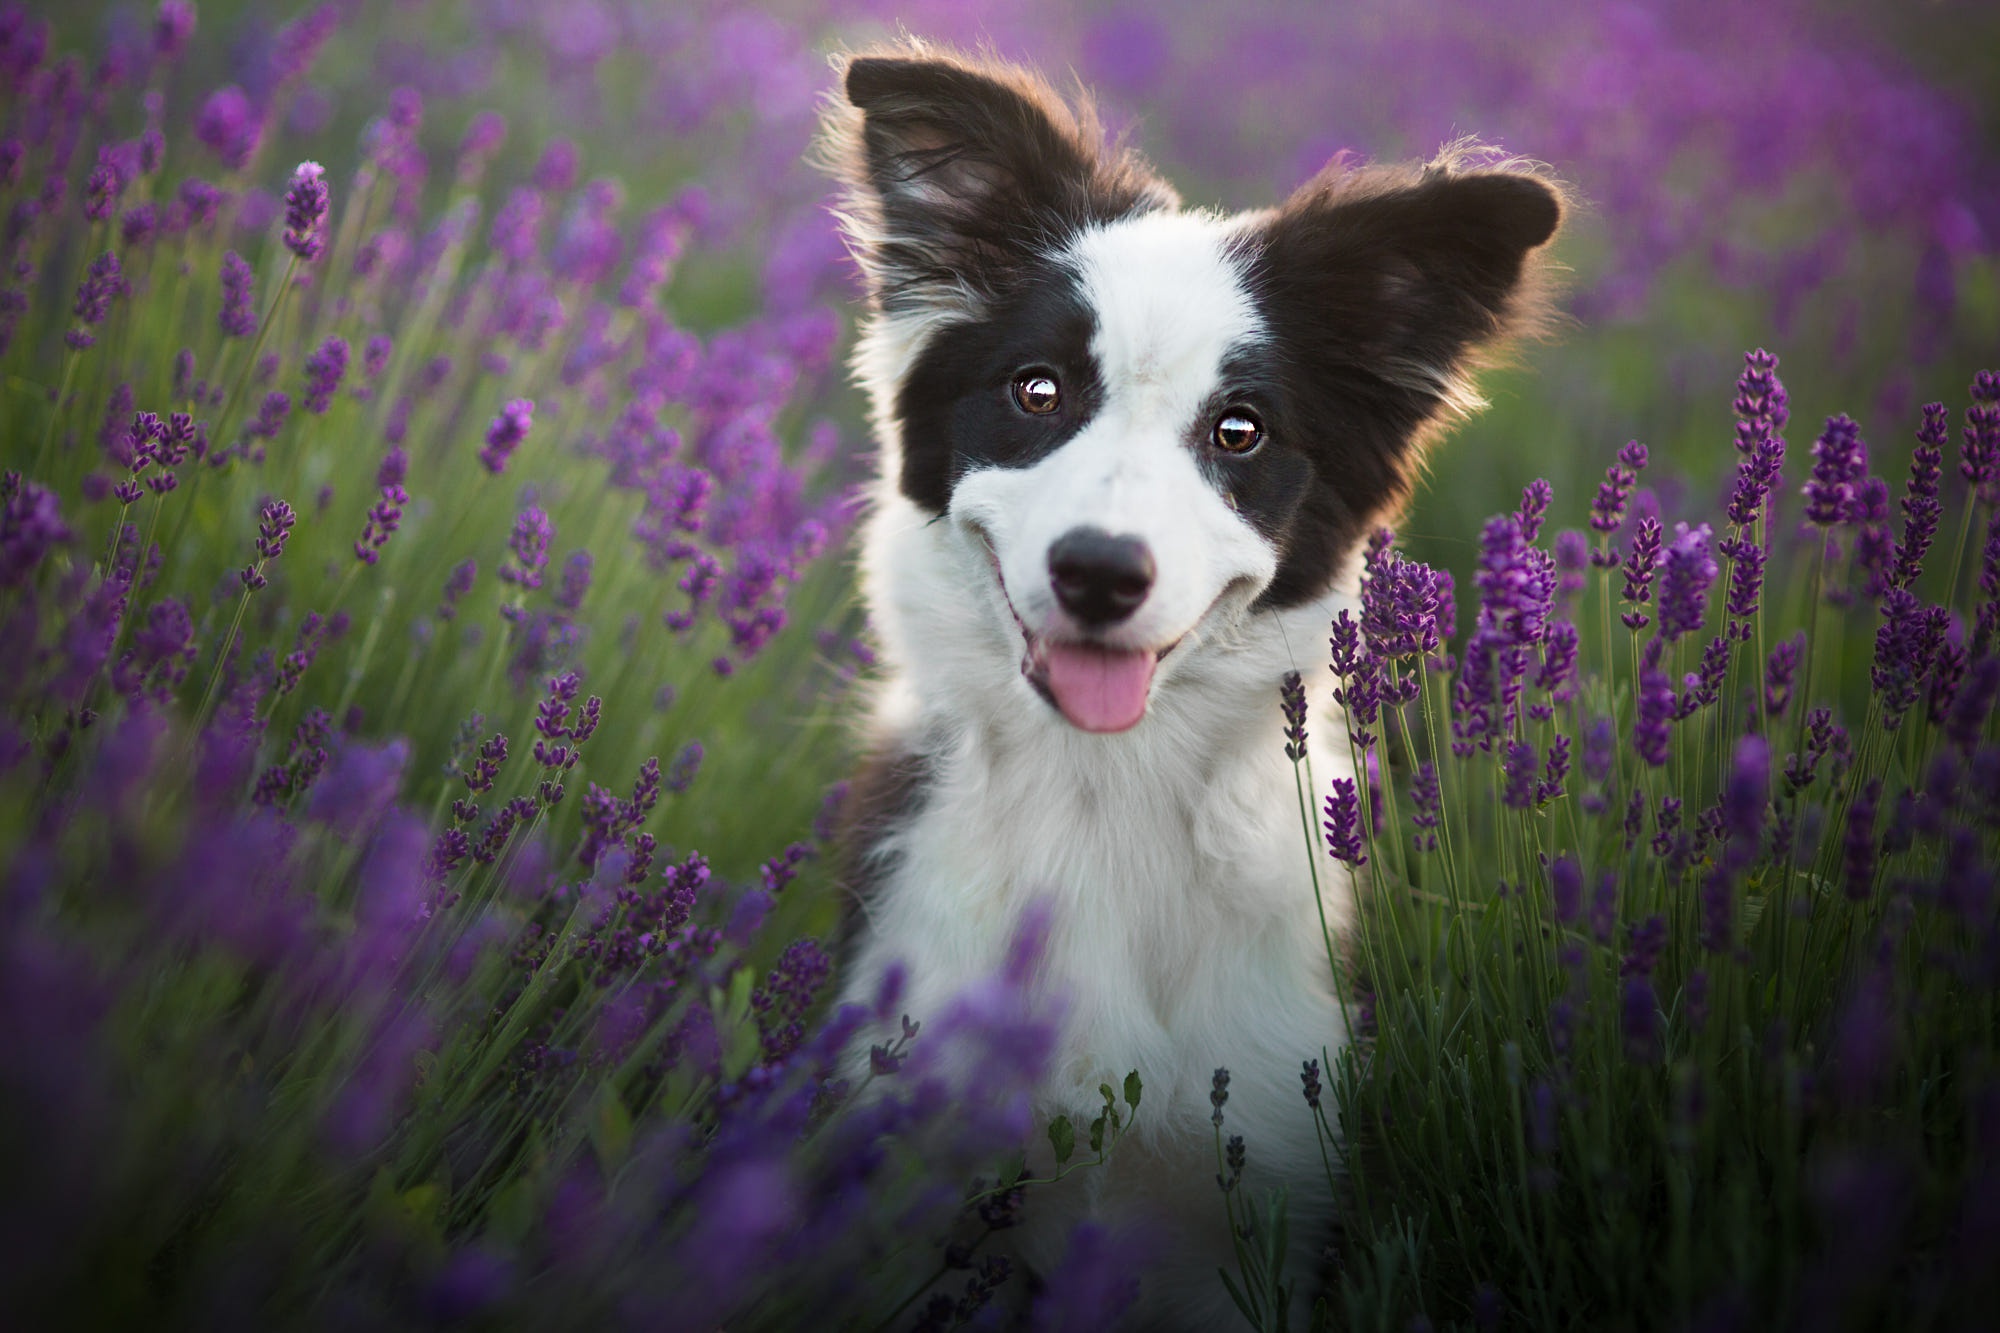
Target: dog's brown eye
[1037,393]
[1238,432]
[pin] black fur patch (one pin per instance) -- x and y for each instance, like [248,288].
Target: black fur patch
[957,411]
[885,794]
[1372,288]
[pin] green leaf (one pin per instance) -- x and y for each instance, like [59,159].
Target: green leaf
[1110,1097]
[1132,1089]
[1062,1137]
[1097,1135]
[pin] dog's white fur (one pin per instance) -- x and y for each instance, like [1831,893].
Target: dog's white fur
[1184,934]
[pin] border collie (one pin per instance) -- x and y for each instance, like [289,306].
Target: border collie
[1129,452]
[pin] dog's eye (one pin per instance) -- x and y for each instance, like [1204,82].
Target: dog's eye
[1238,431]
[1037,393]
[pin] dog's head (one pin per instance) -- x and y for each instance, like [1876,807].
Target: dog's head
[1146,417]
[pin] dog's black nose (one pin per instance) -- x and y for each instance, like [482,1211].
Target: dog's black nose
[1100,579]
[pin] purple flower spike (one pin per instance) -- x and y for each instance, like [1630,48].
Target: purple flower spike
[1921,506]
[530,548]
[1292,697]
[1399,608]
[1859,852]
[306,203]
[324,370]
[456,586]
[172,26]
[1566,889]
[1427,801]
[274,526]
[1639,567]
[1519,766]
[1979,452]
[1652,729]
[230,127]
[1906,644]
[30,526]
[1780,671]
[239,308]
[504,436]
[102,283]
[1686,575]
[1343,823]
[1607,511]
[1840,465]
[1535,500]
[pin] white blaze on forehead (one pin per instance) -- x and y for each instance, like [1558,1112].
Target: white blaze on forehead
[1170,306]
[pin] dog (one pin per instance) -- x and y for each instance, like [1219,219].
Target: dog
[1129,455]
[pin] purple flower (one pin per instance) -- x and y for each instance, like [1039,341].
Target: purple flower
[274,525]
[136,228]
[1840,464]
[1515,584]
[504,436]
[529,547]
[1979,450]
[1345,644]
[1746,584]
[102,283]
[1566,889]
[173,24]
[575,581]
[1607,511]
[1555,773]
[1292,697]
[101,191]
[324,371]
[30,525]
[781,1003]
[1780,671]
[1701,688]
[1399,601]
[1639,567]
[239,309]
[1858,843]
[556,170]
[271,415]
[383,520]
[1535,499]
[306,203]
[1905,646]
[517,227]
[483,137]
[230,127]
[1652,727]
[1519,766]
[1921,506]
[1687,572]
[1645,943]
[1343,823]
[1639,1020]
[1427,802]
[456,586]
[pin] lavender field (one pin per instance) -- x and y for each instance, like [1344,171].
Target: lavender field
[427,649]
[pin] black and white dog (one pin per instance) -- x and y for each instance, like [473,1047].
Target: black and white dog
[1129,454]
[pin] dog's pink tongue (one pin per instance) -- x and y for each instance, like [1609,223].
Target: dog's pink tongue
[1098,689]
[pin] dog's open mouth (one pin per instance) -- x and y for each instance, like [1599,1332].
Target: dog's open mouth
[1095,688]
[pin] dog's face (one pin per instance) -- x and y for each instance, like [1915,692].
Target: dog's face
[1144,417]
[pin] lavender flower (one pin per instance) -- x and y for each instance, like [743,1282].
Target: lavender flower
[1905,645]
[1921,506]
[230,127]
[1840,463]
[306,203]
[239,312]
[456,586]
[274,526]
[1639,1020]
[1427,803]
[504,436]
[1343,823]
[1535,499]
[102,283]
[173,24]
[1399,601]
[1687,572]
[1519,767]
[1979,450]
[1310,1083]
[529,547]
[1566,890]
[324,371]
[1779,672]
[1218,1095]
[1651,729]
[1607,511]
[1858,845]
[1639,567]
[1292,698]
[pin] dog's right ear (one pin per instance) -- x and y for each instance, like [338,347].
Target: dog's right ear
[960,172]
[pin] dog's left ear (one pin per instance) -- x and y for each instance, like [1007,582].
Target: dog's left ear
[959,172]
[1410,279]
